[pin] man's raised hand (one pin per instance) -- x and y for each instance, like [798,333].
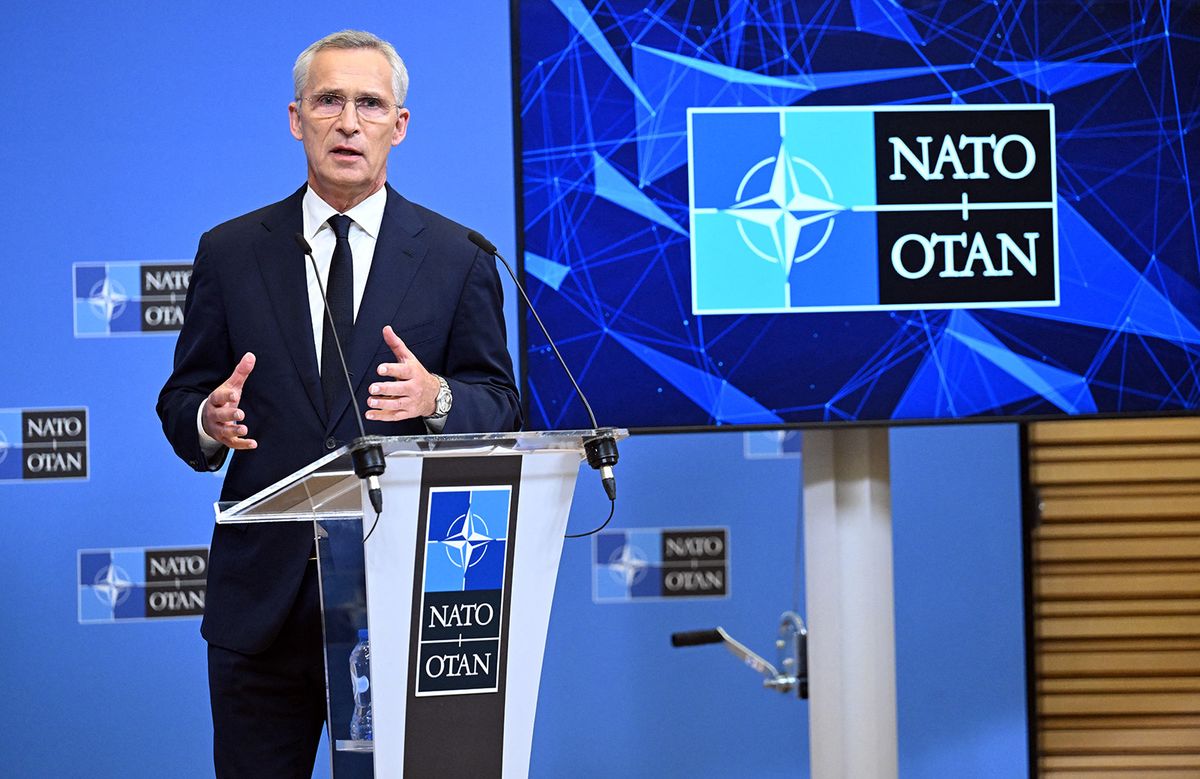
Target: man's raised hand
[408,390]
[222,418]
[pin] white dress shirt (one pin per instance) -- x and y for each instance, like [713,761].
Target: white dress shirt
[367,217]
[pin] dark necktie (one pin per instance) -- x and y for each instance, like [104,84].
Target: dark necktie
[339,290]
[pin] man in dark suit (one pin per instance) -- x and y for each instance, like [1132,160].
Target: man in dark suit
[420,312]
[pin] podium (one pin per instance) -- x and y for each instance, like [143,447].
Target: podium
[454,582]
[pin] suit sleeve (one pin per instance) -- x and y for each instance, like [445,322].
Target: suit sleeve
[478,366]
[203,359]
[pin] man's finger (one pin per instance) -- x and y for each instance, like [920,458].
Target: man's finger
[244,366]
[392,389]
[242,443]
[397,345]
[223,396]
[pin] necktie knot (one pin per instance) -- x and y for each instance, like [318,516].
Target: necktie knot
[340,223]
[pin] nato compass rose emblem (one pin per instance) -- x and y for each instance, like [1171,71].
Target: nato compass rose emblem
[789,206]
[467,540]
[628,565]
[112,585]
[107,298]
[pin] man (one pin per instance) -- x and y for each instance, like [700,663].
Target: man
[419,309]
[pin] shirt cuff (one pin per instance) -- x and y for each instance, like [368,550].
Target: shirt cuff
[208,445]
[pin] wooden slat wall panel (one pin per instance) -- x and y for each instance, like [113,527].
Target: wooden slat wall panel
[1116,566]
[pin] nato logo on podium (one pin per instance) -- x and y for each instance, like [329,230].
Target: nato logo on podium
[462,598]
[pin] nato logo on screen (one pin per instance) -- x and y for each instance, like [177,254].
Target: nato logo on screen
[135,584]
[129,298]
[655,563]
[462,596]
[884,208]
[43,443]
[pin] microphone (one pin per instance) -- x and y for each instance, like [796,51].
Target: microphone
[365,452]
[601,450]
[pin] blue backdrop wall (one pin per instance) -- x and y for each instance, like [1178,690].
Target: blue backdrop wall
[137,127]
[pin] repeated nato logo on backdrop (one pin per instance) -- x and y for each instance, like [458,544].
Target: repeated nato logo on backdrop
[133,584]
[653,563]
[129,298]
[43,443]
[884,208]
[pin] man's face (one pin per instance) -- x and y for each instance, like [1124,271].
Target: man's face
[347,156]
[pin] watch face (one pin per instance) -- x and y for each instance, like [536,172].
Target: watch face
[443,399]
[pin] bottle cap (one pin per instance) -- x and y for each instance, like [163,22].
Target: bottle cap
[362,634]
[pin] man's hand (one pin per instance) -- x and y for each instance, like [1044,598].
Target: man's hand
[222,418]
[412,391]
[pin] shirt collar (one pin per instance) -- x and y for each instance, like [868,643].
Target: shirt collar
[368,215]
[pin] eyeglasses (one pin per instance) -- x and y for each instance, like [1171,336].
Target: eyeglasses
[330,104]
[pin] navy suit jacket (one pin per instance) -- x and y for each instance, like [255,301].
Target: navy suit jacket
[248,293]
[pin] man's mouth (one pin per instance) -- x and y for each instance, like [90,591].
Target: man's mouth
[346,151]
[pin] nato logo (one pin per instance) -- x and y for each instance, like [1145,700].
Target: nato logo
[135,584]
[43,444]
[462,598]
[654,563]
[884,208]
[129,298]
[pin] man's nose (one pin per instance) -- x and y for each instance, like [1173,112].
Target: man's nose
[347,121]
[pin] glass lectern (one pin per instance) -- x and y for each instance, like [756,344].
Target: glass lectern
[453,582]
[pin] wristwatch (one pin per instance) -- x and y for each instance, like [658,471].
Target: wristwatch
[444,399]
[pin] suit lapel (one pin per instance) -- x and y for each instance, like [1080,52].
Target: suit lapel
[398,257]
[281,263]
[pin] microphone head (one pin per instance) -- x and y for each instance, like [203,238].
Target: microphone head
[303,244]
[481,242]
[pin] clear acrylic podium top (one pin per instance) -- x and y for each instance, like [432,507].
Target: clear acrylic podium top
[328,486]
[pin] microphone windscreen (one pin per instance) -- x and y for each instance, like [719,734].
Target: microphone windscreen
[303,244]
[481,242]
[696,638]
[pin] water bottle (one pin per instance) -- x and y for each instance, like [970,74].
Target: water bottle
[360,679]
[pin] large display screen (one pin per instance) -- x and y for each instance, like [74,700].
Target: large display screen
[791,213]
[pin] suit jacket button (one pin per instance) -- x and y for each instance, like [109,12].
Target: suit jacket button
[330,443]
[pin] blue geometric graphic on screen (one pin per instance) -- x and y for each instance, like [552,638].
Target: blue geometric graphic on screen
[582,21]
[546,271]
[466,542]
[722,401]
[1054,77]
[885,18]
[971,370]
[674,83]
[615,188]
[1126,157]
[771,224]
[1101,289]
[729,74]
[1066,390]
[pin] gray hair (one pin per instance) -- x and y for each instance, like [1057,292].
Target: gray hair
[353,39]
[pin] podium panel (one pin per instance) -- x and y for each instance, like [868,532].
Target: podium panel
[453,582]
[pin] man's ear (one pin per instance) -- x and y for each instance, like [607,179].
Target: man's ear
[294,121]
[401,128]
